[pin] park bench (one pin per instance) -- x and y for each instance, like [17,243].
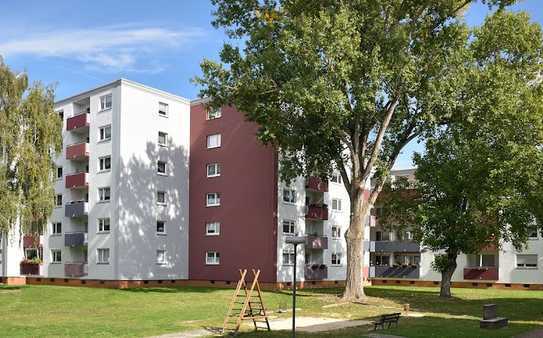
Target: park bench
[386,319]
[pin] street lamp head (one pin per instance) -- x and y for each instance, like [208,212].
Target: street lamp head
[295,240]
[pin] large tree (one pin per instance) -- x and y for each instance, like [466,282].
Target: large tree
[341,85]
[479,179]
[30,133]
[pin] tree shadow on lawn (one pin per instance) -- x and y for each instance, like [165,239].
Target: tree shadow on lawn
[179,289]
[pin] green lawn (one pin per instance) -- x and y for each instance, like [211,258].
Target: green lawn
[70,311]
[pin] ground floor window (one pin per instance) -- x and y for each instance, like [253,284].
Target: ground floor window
[336,258]
[527,261]
[289,256]
[103,256]
[56,256]
[213,258]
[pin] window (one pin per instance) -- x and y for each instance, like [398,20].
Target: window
[161,167]
[213,228]
[104,163]
[336,178]
[289,195]
[336,231]
[160,227]
[102,256]
[213,258]
[57,228]
[163,109]
[31,253]
[59,172]
[161,256]
[213,199]
[289,227]
[214,114]
[213,141]
[105,102]
[336,204]
[58,200]
[161,197]
[56,256]
[382,260]
[485,260]
[288,256]
[527,261]
[104,133]
[61,114]
[213,170]
[104,224]
[532,232]
[162,138]
[336,258]
[104,194]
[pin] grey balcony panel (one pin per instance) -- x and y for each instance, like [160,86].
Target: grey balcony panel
[76,209]
[75,269]
[316,272]
[395,246]
[75,239]
[408,272]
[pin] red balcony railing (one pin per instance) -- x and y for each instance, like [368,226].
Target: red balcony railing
[316,242]
[315,211]
[78,121]
[30,268]
[75,181]
[316,184]
[77,151]
[481,273]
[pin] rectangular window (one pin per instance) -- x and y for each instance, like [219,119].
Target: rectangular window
[104,133]
[382,260]
[336,178]
[56,256]
[61,114]
[336,204]
[162,138]
[289,227]
[213,228]
[213,170]
[288,256]
[161,197]
[289,195]
[104,224]
[336,231]
[527,261]
[57,228]
[213,199]
[58,200]
[160,227]
[532,232]
[163,109]
[59,172]
[213,141]
[161,256]
[104,163]
[214,113]
[31,253]
[336,258]
[161,167]
[213,258]
[104,194]
[105,102]
[102,256]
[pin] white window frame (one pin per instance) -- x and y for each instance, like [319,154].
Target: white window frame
[100,255]
[217,199]
[104,102]
[102,133]
[536,233]
[55,227]
[288,252]
[33,250]
[217,144]
[102,164]
[158,171]
[166,111]
[525,265]
[289,195]
[335,258]
[61,172]
[57,200]
[54,258]
[336,178]
[291,226]
[159,192]
[339,206]
[217,169]
[215,259]
[161,257]
[102,194]
[165,135]
[102,222]
[215,226]
[213,114]
[336,232]
[163,232]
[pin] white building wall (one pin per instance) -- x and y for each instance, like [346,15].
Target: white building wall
[11,252]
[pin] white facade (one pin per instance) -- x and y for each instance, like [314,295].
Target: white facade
[11,252]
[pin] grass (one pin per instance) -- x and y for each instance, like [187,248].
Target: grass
[70,311]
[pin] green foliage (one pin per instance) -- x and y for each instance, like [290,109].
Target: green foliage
[441,263]
[30,131]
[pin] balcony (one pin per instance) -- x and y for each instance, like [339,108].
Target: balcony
[27,268]
[316,272]
[481,273]
[394,246]
[318,212]
[73,239]
[316,242]
[31,241]
[77,181]
[316,184]
[77,152]
[76,209]
[407,271]
[77,122]
[75,269]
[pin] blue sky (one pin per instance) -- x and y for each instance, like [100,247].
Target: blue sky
[78,45]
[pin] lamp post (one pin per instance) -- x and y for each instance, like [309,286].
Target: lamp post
[295,240]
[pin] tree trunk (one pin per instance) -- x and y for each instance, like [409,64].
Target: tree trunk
[446,276]
[354,289]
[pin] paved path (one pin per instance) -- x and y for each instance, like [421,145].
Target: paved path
[538,333]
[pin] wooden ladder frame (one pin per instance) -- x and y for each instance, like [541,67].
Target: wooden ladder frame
[233,319]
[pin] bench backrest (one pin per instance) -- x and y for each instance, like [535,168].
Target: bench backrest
[391,316]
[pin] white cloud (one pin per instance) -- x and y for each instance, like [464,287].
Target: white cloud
[117,48]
